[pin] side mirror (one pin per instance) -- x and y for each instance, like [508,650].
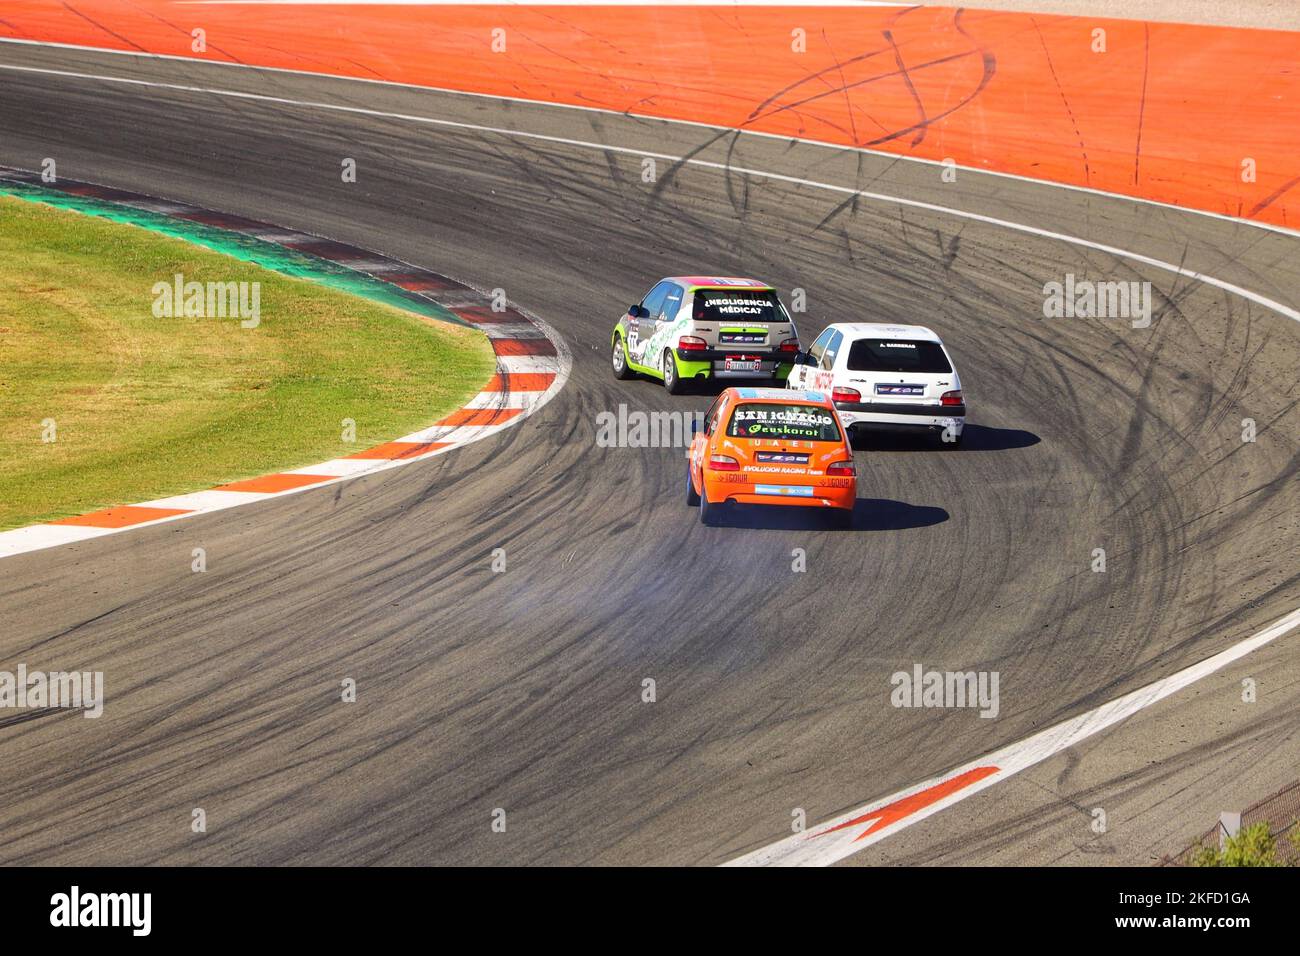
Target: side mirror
[637,312]
[800,358]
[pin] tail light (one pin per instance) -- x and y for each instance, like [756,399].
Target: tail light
[692,343]
[841,469]
[840,394]
[790,345]
[723,463]
[951,398]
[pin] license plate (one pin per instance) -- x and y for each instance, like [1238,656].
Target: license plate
[900,389]
[787,491]
[742,364]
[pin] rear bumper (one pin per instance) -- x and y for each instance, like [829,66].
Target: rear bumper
[853,414]
[696,364]
[900,408]
[807,496]
[767,354]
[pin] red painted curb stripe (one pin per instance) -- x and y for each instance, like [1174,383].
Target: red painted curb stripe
[523,347]
[393,450]
[417,283]
[480,416]
[520,382]
[121,517]
[481,315]
[272,483]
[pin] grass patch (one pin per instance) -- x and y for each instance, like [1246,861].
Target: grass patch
[146,407]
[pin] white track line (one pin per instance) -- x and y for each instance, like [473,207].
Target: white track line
[1255,297]
[1017,177]
[824,844]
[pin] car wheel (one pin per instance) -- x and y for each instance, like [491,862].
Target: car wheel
[692,497]
[672,381]
[952,445]
[710,514]
[618,359]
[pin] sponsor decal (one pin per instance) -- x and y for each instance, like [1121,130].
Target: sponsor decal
[883,389]
[738,305]
[742,338]
[716,306]
[784,421]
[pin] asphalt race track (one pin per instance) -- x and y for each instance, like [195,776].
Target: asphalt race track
[523,690]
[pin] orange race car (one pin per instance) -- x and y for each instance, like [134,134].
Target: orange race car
[771,446]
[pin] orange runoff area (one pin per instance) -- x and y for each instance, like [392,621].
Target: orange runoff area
[1207,117]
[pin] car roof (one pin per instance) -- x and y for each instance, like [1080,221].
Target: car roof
[882,330]
[785,395]
[719,282]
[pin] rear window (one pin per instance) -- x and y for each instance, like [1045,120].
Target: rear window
[793,422]
[897,355]
[737,305]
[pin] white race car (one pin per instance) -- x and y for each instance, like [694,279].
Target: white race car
[896,376]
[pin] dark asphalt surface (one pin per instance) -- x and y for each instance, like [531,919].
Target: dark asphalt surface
[523,690]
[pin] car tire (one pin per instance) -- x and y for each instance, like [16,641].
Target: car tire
[618,359]
[692,497]
[950,445]
[710,514]
[672,381]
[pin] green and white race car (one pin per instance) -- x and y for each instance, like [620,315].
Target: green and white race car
[697,327]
